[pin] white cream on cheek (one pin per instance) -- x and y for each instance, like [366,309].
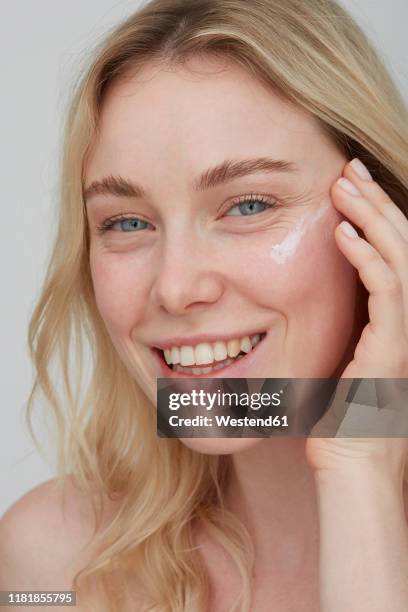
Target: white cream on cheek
[285,250]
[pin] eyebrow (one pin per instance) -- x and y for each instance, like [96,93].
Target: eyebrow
[222,173]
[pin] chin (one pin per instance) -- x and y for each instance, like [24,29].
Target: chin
[220,446]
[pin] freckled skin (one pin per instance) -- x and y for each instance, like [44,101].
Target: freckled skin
[200,273]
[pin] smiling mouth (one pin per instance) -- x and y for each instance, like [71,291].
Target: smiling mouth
[204,370]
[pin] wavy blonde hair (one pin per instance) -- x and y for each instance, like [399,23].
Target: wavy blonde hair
[312,54]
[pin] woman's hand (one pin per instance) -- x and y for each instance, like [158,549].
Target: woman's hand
[381,258]
[363,525]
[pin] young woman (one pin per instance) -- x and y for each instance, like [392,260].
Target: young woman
[232,171]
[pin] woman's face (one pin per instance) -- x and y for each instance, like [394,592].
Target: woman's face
[188,262]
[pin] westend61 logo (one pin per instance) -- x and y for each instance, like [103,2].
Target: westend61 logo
[319,407]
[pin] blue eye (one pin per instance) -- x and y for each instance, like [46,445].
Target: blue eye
[132,224]
[248,206]
[127,224]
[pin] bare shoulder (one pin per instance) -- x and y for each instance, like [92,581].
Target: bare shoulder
[46,537]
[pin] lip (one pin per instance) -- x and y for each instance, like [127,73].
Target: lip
[193,340]
[237,369]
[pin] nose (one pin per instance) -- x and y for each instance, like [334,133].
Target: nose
[188,276]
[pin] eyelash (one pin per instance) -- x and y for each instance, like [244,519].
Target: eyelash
[109,223]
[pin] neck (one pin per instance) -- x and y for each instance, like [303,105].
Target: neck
[271,489]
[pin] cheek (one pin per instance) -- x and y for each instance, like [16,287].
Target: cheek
[300,268]
[323,273]
[121,288]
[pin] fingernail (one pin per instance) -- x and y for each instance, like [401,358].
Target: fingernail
[360,169]
[348,186]
[348,229]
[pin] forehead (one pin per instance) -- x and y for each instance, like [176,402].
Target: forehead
[206,110]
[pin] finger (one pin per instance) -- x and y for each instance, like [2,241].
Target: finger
[385,303]
[378,229]
[358,174]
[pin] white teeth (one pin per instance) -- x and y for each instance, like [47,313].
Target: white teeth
[203,353]
[255,339]
[228,361]
[233,347]
[207,353]
[220,350]
[175,354]
[198,371]
[187,356]
[246,345]
[218,366]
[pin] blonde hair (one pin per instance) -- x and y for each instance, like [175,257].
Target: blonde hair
[312,54]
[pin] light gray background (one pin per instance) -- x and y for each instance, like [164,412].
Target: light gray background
[41,43]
